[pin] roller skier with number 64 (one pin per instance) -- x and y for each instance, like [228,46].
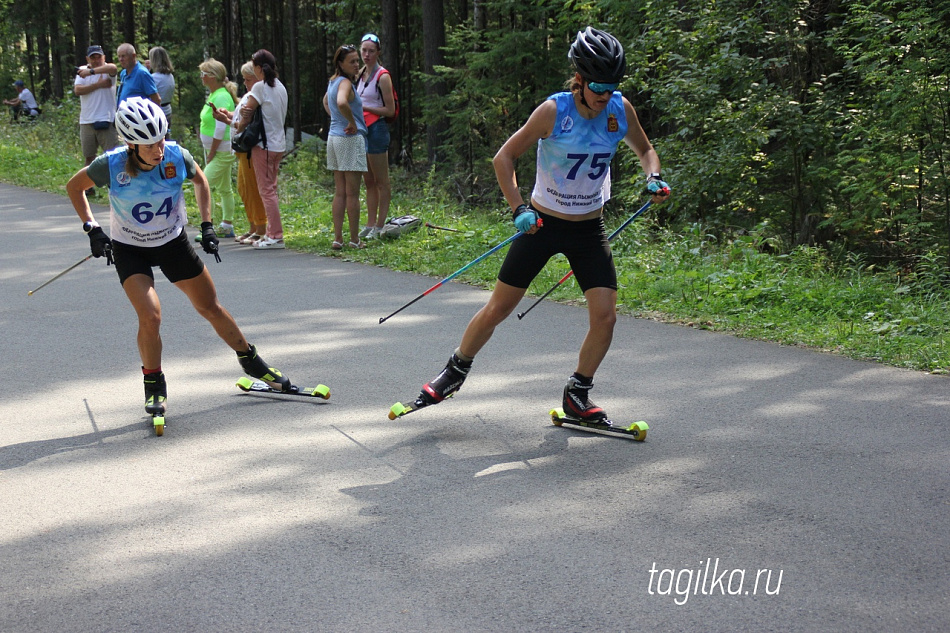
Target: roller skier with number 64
[147,228]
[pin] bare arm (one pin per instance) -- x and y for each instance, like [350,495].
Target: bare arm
[637,140]
[343,94]
[76,189]
[539,125]
[202,194]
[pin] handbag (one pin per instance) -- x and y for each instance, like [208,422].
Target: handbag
[251,135]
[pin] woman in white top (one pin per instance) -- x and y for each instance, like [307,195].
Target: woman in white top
[270,95]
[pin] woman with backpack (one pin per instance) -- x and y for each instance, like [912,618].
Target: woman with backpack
[375,88]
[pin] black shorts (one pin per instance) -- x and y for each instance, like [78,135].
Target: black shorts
[583,243]
[177,259]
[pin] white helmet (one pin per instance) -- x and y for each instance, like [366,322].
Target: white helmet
[140,121]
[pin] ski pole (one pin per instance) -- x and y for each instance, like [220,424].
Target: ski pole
[441,228]
[30,293]
[454,275]
[610,238]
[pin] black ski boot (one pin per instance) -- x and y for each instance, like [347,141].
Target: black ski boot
[576,403]
[255,367]
[447,382]
[155,393]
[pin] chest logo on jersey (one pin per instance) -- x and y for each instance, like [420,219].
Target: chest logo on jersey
[123,178]
[567,123]
[612,125]
[170,171]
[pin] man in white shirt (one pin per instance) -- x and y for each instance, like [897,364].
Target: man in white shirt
[23,103]
[95,86]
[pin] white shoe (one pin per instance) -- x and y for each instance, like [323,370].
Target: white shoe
[225,230]
[372,234]
[268,242]
[366,231]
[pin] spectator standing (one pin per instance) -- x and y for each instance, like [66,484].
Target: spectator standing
[160,65]
[346,145]
[134,79]
[246,179]
[216,139]
[270,95]
[95,87]
[375,89]
[23,103]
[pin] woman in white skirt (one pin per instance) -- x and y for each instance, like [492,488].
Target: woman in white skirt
[346,144]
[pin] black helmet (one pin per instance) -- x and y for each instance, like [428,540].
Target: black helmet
[598,56]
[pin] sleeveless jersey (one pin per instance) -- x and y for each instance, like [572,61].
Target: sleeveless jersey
[369,90]
[573,169]
[338,122]
[149,209]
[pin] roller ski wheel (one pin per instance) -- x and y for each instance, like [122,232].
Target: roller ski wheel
[158,423]
[259,386]
[399,409]
[636,431]
[156,395]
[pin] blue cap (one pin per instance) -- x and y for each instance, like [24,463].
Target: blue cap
[19,83]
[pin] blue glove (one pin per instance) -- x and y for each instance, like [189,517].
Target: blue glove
[525,218]
[656,186]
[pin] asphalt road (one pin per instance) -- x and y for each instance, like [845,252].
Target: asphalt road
[261,513]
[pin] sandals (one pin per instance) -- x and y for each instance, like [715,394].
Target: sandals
[358,244]
[241,238]
[336,246]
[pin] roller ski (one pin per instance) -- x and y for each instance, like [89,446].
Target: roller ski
[580,412]
[443,386]
[259,386]
[156,393]
[270,380]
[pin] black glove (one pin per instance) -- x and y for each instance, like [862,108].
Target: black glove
[209,241]
[100,244]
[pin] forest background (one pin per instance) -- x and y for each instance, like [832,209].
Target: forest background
[814,132]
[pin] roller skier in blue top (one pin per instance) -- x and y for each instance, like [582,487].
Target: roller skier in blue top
[145,179]
[576,134]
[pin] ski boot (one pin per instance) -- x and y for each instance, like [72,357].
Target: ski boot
[156,393]
[255,367]
[578,406]
[441,387]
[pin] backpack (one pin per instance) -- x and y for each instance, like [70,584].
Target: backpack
[400,225]
[252,135]
[389,119]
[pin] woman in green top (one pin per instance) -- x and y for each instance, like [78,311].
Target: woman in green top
[216,139]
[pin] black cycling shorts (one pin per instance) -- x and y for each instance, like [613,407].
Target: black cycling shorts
[177,259]
[583,243]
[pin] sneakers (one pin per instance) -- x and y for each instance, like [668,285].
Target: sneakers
[155,393]
[366,231]
[447,382]
[576,404]
[255,367]
[225,229]
[268,242]
[372,234]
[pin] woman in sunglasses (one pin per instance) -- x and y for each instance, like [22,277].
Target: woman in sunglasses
[576,133]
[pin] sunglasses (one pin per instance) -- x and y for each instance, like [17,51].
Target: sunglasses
[205,74]
[599,89]
[369,37]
